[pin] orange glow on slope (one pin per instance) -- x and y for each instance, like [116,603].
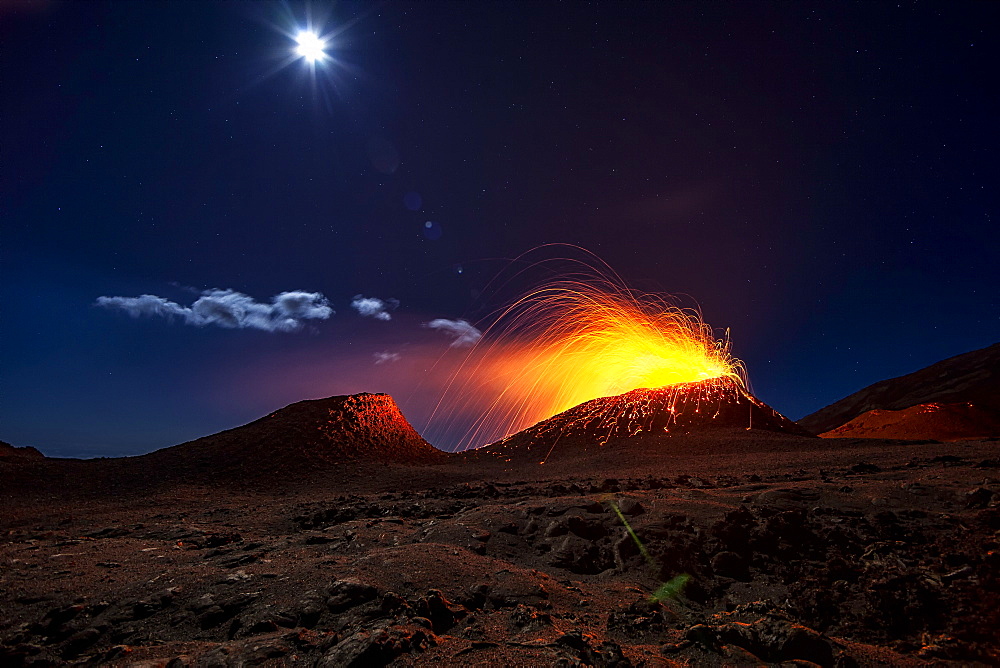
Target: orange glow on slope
[578,338]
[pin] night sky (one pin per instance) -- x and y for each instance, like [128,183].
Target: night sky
[820,178]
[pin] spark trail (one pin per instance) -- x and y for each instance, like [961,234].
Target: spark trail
[580,336]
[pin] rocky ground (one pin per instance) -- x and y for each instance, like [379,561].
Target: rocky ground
[740,550]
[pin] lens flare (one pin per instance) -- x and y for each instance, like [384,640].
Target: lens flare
[311,46]
[578,337]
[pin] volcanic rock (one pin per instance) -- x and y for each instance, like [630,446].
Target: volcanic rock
[307,435]
[10,453]
[940,422]
[972,378]
[713,560]
[678,409]
[770,639]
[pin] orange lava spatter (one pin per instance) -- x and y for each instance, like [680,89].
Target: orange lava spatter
[718,403]
[578,338]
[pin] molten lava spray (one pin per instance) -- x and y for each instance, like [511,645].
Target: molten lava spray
[578,337]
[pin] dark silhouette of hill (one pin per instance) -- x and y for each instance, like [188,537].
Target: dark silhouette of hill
[307,435]
[972,377]
[10,453]
[675,410]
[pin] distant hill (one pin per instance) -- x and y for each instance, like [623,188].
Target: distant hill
[338,438]
[678,409]
[307,435]
[961,396]
[940,422]
[10,453]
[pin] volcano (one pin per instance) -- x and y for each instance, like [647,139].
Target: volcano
[953,399]
[307,435]
[684,408]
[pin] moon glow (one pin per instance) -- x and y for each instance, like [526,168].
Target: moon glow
[310,46]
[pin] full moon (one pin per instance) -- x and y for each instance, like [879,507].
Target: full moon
[310,46]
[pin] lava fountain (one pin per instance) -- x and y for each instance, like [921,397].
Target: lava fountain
[582,336]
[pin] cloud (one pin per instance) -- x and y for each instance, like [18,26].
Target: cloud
[465,334]
[148,305]
[383,357]
[230,309]
[373,307]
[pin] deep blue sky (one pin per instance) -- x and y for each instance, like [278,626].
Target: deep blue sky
[820,178]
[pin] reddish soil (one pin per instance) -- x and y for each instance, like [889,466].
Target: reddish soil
[835,552]
[941,422]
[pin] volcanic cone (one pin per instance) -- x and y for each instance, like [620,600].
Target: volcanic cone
[312,434]
[677,409]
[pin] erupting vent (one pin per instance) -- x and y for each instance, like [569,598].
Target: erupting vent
[578,337]
[720,403]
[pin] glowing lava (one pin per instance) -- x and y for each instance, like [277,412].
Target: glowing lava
[719,403]
[577,338]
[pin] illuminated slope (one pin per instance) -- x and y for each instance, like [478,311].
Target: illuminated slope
[678,409]
[308,435]
[972,377]
[941,422]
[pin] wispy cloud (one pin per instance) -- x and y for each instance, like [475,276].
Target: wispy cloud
[386,357]
[230,309]
[462,331]
[373,307]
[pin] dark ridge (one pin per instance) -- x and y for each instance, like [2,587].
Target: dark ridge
[10,453]
[972,377]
